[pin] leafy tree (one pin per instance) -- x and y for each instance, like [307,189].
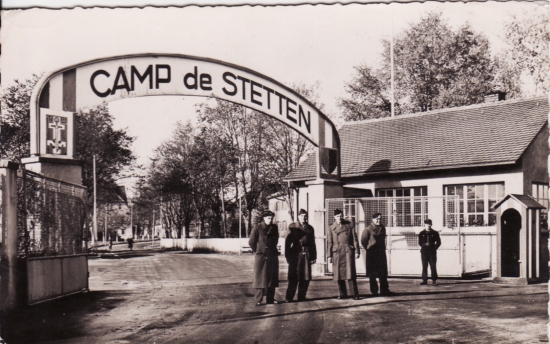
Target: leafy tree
[527,55]
[286,148]
[94,134]
[434,67]
[242,132]
[15,120]
[216,158]
[167,181]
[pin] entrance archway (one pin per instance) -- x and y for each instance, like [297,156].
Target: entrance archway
[510,250]
[61,93]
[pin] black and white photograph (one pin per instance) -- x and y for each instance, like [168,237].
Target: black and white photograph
[274,172]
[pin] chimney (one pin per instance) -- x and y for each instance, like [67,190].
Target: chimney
[494,97]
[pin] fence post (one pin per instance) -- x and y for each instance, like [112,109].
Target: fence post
[8,226]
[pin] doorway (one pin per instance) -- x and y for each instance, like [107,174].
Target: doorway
[511,226]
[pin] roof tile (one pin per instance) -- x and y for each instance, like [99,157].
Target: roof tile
[471,135]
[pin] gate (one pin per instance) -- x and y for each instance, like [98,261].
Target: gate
[404,218]
[51,218]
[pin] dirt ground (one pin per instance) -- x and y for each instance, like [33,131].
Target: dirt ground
[175,297]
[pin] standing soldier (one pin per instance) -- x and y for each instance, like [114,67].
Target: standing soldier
[300,253]
[342,247]
[263,242]
[429,241]
[373,240]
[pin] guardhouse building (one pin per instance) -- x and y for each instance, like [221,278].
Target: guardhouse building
[449,165]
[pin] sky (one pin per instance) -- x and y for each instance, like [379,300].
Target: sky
[291,44]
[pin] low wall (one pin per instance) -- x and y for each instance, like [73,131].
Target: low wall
[52,277]
[219,244]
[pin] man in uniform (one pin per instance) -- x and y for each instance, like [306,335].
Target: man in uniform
[429,241]
[263,242]
[373,240]
[300,254]
[342,250]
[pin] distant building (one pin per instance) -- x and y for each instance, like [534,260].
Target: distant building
[279,206]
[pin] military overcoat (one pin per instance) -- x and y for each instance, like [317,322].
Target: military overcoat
[300,251]
[373,240]
[263,242]
[342,246]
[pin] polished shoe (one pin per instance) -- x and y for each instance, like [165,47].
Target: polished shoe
[277,302]
[289,301]
[258,304]
[356,297]
[424,283]
[435,283]
[342,297]
[374,294]
[387,293]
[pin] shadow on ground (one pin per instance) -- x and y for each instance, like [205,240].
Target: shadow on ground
[55,320]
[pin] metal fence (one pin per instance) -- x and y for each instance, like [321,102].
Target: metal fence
[404,218]
[51,216]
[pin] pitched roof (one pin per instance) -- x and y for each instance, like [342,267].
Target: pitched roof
[475,135]
[524,200]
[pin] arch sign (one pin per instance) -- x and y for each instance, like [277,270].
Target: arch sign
[60,94]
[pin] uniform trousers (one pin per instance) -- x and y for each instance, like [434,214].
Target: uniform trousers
[384,285]
[268,292]
[352,286]
[302,286]
[429,258]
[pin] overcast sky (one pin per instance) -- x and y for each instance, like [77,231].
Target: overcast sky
[290,44]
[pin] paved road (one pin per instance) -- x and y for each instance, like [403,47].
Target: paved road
[176,297]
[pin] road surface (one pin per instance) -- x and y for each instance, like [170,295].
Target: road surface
[175,297]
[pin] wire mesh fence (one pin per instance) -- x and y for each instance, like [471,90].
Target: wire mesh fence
[51,216]
[403,214]
[404,218]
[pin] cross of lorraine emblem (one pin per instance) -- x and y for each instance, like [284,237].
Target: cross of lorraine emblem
[57,135]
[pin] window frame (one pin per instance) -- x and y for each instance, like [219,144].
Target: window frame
[467,211]
[411,211]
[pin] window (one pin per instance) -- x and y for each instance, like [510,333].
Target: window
[540,194]
[476,201]
[349,210]
[410,208]
[403,192]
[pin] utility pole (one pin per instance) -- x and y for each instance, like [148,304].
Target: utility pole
[391,63]
[162,231]
[223,212]
[132,219]
[105,235]
[94,234]
[153,231]
[240,217]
